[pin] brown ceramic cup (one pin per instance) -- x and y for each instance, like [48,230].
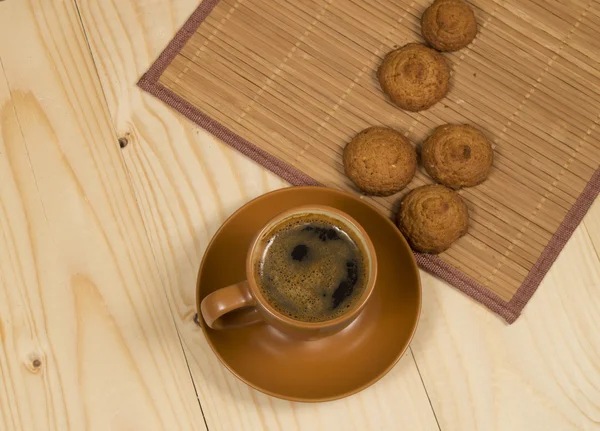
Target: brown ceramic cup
[243,303]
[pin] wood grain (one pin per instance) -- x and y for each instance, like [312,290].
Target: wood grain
[86,337]
[592,226]
[542,373]
[187,183]
[93,314]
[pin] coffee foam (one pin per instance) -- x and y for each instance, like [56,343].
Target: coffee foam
[304,263]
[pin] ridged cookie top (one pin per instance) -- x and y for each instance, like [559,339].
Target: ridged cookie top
[457,156]
[380,161]
[414,77]
[432,217]
[448,25]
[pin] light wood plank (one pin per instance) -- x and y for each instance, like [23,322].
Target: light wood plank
[87,340]
[187,183]
[592,225]
[541,373]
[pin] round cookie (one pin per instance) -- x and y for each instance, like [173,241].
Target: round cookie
[448,25]
[380,161]
[414,77]
[457,156]
[432,217]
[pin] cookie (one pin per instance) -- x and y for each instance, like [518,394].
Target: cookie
[414,77]
[457,156]
[448,25]
[433,217]
[380,161]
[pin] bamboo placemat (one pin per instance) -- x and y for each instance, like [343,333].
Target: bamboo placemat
[288,83]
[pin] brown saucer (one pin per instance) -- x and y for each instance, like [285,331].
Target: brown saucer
[336,366]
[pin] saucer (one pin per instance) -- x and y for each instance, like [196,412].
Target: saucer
[333,367]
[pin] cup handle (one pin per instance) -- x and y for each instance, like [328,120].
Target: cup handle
[230,307]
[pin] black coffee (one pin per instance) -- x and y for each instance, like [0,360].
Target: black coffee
[311,269]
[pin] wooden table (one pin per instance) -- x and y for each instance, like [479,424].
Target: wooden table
[100,245]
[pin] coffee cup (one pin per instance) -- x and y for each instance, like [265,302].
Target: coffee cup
[309,273]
